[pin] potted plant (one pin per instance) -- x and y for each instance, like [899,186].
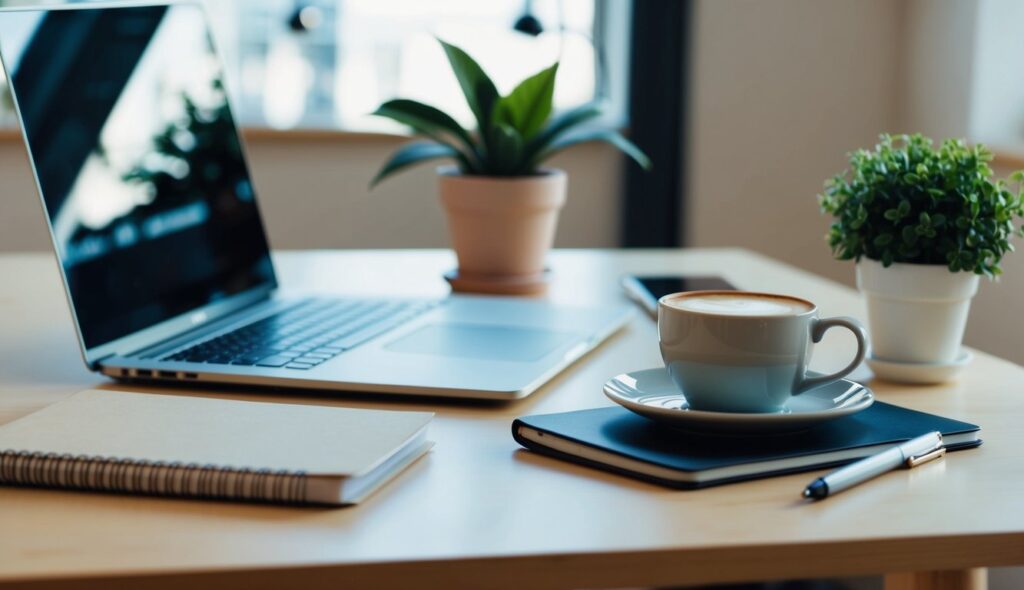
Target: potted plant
[501,204]
[923,224]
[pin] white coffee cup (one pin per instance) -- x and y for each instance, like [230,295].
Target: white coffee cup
[738,351]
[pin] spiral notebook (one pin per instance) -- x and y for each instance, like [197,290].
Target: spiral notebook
[210,448]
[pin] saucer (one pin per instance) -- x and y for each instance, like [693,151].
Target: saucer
[535,284]
[919,373]
[652,394]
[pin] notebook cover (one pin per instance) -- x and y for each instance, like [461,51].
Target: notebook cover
[620,431]
[317,440]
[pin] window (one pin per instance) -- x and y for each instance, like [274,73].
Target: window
[329,63]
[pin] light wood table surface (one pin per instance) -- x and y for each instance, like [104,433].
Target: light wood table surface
[480,512]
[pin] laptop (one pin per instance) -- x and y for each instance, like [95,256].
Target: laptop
[160,243]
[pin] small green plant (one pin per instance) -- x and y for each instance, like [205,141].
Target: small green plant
[905,201]
[515,133]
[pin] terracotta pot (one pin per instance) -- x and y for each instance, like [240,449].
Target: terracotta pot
[501,228]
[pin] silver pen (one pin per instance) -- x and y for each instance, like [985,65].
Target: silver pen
[911,453]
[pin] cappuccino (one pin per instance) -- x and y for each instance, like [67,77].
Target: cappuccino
[739,304]
[735,351]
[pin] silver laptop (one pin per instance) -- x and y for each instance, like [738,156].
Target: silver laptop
[166,265]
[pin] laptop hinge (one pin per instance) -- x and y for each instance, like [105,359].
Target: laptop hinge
[97,363]
[210,314]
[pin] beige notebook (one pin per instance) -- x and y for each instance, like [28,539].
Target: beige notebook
[186,446]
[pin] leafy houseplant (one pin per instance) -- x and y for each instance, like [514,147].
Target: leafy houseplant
[502,204]
[922,224]
[907,202]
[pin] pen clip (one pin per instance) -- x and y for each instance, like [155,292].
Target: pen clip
[931,454]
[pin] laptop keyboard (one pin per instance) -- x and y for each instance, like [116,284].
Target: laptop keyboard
[303,336]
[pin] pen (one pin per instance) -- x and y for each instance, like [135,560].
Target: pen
[911,453]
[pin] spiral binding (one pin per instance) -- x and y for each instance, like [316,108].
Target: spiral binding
[83,472]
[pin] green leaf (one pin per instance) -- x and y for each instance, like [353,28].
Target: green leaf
[506,150]
[882,240]
[427,120]
[477,87]
[860,218]
[606,135]
[413,153]
[559,124]
[528,106]
[862,214]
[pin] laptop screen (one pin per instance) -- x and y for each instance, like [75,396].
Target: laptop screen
[138,160]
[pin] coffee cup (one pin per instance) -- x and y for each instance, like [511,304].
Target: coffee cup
[737,351]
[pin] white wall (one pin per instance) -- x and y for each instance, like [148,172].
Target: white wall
[934,91]
[997,87]
[313,193]
[782,91]
[21,219]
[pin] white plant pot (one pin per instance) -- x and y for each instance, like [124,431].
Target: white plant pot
[916,312]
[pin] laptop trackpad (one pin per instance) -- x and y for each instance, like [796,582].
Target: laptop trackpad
[500,343]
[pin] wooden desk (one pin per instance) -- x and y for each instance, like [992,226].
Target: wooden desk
[479,512]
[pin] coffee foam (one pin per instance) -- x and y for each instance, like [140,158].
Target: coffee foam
[740,305]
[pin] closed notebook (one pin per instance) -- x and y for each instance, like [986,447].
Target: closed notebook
[615,439]
[198,447]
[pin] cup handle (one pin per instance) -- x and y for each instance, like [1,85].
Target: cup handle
[818,329]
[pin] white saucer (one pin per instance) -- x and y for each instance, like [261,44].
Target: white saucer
[652,394]
[919,373]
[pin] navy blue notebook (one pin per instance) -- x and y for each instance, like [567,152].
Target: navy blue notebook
[615,439]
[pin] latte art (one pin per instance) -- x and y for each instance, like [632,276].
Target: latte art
[745,352]
[740,305]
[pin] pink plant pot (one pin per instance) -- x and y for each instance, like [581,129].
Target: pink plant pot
[502,227]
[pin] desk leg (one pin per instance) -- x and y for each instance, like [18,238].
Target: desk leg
[972,579]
